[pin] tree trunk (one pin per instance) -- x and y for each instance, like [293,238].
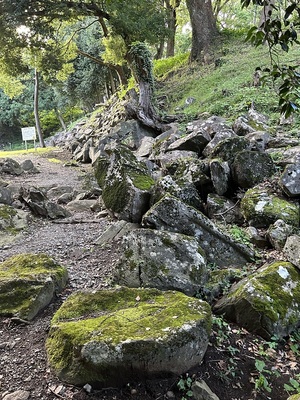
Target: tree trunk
[204,28]
[36,109]
[139,59]
[172,25]
[61,120]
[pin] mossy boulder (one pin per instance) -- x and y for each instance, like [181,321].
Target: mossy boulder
[112,337]
[28,283]
[12,220]
[252,167]
[173,215]
[163,260]
[266,303]
[125,184]
[262,208]
[227,148]
[182,189]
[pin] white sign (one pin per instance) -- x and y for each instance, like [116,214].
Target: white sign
[29,133]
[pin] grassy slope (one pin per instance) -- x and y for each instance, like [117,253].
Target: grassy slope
[226,90]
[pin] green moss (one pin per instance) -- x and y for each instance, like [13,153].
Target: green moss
[142,182]
[262,208]
[118,315]
[116,196]
[29,266]
[24,283]
[100,169]
[269,296]
[7,212]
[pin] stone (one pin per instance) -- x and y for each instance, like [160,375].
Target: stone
[171,214]
[259,140]
[292,250]
[222,209]
[256,238]
[163,159]
[252,167]
[28,283]
[125,184]
[220,175]
[82,205]
[163,260]
[17,395]
[261,208]
[146,147]
[5,195]
[192,170]
[57,191]
[241,126]
[194,141]
[201,391]
[219,137]
[266,303]
[28,167]
[12,220]
[228,148]
[257,120]
[39,204]
[10,166]
[290,180]
[182,189]
[112,337]
[277,234]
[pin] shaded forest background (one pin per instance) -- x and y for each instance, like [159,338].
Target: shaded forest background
[78,55]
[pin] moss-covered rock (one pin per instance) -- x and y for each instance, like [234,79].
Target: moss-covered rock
[28,283]
[11,219]
[261,208]
[252,167]
[125,184]
[111,337]
[163,260]
[266,303]
[171,214]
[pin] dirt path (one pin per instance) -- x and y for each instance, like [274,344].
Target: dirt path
[23,364]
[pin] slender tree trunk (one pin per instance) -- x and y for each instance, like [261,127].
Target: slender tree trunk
[172,25]
[61,120]
[36,109]
[204,28]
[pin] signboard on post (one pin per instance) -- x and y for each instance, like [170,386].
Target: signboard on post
[28,133]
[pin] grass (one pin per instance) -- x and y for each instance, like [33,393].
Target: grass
[224,86]
[38,151]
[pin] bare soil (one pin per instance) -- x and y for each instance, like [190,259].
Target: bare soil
[228,366]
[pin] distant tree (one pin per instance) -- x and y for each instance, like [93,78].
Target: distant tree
[278,29]
[135,20]
[204,29]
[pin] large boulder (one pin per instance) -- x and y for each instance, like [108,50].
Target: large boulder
[290,180]
[292,249]
[222,209]
[252,167]
[40,205]
[266,303]
[28,283]
[161,259]
[171,214]
[262,208]
[10,166]
[220,175]
[11,219]
[125,184]
[112,337]
[182,189]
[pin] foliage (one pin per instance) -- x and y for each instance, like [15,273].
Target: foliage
[185,386]
[278,29]
[164,66]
